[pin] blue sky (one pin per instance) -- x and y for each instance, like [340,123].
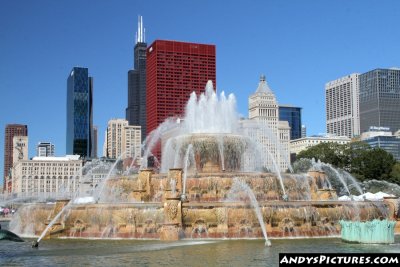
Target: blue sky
[298,45]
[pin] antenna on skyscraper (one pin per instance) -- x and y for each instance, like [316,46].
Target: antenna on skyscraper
[140,34]
[141,29]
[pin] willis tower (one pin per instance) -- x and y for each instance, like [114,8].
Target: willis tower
[136,110]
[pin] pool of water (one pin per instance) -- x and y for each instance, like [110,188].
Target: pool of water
[83,252]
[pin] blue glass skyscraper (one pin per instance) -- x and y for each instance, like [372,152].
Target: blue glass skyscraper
[79,113]
[293,116]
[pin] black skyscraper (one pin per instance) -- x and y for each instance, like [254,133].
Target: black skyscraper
[79,113]
[380,99]
[136,110]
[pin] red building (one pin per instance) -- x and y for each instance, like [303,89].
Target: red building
[11,131]
[174,71]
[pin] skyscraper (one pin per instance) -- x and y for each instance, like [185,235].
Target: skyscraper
[293,116]
[380,99]
[174,71]
[11,131]
[123,139]
[136,110]
[272,133]
[342,106]
[303,131]
[94,143]
[79,113]
[45,149]
[115,134]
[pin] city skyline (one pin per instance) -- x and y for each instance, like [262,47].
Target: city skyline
[299,46]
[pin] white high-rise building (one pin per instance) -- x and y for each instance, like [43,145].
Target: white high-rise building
[342,106]
[303,131]
[272,133]
[123,139]
[45,149]
[132,141]
[115,136]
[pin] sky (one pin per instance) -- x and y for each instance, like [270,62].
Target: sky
[298,45]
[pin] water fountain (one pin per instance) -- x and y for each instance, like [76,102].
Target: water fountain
[205,157]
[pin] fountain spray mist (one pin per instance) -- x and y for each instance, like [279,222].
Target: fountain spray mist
[241,186]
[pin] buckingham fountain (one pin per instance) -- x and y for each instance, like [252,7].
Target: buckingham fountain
[211,184]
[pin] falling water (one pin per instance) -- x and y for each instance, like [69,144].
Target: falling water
[238,186]
[104,181]
[277,172]
[154,137]
[353,182]
[189,152]
[265,130]
[318,166]
[375,186]
[221,151]
[340,177]
[76,195]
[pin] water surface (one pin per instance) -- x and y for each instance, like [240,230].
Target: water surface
[83,252]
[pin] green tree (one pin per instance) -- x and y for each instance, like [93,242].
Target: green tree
[358,158]
[395,173]
[374,163]
[331,153]
[355,153]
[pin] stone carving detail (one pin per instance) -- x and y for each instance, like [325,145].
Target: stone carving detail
[185,213]
[142,183]
[172,209]
[221,215]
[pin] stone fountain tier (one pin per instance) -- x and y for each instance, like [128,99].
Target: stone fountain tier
[212,152]
[174,219]
[215,186]
[150,206]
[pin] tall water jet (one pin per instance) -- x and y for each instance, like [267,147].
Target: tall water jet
[354,183]
[210,114]
[240,186]
[53,221]
[104,181]
[153,138]
[339,177]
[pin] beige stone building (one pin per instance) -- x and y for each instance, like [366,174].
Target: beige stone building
[20,152]
[20,148]
[301,144]
[123,139]
[47,176]
[272,133]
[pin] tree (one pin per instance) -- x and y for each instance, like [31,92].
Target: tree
[395,173]
[331,153]
[358,158]
[374,163]
[355,153]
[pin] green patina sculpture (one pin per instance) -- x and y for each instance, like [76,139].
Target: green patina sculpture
[375,231]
